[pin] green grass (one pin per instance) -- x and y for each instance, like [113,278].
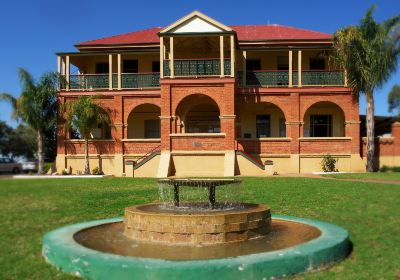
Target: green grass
[371,213]
[388,176]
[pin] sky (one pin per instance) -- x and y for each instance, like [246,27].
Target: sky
[32,31]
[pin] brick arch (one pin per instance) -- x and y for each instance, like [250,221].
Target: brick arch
[181,102]
[129,107]
[308,106]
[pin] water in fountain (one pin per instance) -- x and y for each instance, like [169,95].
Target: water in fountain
[200,194]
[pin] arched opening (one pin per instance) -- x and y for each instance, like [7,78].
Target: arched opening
[261,120]
[198,114]
[324,119]
[144,122]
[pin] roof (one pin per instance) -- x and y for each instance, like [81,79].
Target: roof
[272,32]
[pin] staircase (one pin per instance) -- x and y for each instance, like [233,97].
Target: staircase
[251,158]
[146,157]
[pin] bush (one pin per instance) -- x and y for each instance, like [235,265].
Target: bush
[328,164]
[64,172]
[96,171]
[389,169]
[47,166]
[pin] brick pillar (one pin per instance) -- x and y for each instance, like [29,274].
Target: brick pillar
[165,118]
[118,134]
[227,115]
[396,136]
[294,130]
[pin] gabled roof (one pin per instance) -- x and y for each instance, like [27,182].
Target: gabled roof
[244,33]
[196,22]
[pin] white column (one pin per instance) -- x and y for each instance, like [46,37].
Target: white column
[232,56]
[299,69]
[67,69]
[161,57]
[171,57]
[244,68]
[221,55]
[119,72]
[290,68]
[110,72]
[59,71]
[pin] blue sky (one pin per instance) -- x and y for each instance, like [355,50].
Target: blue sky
[32,31]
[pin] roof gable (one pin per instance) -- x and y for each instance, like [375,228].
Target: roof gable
[196,22]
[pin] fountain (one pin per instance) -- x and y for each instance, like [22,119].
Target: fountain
[200,228]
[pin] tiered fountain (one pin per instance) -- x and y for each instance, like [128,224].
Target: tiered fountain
[198,230]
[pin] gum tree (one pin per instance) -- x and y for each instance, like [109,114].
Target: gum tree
[83,116]
[394,100]
[36,106]
[369,52]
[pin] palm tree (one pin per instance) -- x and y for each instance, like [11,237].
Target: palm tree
[83,115]
[36,106]
[369,53]
[394,99]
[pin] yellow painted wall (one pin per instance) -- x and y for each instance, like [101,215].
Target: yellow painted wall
[199,165]
[87,64]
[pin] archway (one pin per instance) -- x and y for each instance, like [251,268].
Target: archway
[198,113]
[261,120]
[144,122]
[324,119]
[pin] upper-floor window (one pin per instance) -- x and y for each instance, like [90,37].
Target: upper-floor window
[321,126]
[102,68]
[263,126]
[155,67]
[253,65]
[130,66]
[317,63]
[282,63]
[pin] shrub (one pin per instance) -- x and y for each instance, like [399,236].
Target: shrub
[386,168]
[64,172]
[328,164]
[96,171]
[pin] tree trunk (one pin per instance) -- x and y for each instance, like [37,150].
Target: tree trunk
[370,131]
[87,168]
[40,152]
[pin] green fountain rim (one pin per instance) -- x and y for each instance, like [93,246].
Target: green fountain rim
[61,242]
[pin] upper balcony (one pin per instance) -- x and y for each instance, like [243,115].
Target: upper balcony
[292,68]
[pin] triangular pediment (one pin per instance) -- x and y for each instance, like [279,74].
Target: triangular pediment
[196,22]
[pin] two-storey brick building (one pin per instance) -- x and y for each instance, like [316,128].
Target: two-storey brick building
[199,98]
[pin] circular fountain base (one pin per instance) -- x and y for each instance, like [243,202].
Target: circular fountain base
[100,250]
[157,224]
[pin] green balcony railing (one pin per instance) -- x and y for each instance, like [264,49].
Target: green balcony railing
[281,78]
[88,81]
[197,67]
[101,81]
[322,78]
[140,80]
[264,78]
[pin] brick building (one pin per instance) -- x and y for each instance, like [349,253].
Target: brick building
[199,98]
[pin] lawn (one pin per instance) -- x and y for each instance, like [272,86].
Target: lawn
[386,176]
[371,213]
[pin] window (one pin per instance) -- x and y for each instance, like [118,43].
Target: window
[320,125]
[155,67]
[253,65]
[203,124]
[282,63]
[263,126]
[130,66]
[317,63]
[152,129]
[282,127]
[102,68]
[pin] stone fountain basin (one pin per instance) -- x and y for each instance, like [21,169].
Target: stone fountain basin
[61,249]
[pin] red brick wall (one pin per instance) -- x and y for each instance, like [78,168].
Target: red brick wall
[95,147]
[389,146]
[139,147]
[326,147]
[199,143]
[264,147]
